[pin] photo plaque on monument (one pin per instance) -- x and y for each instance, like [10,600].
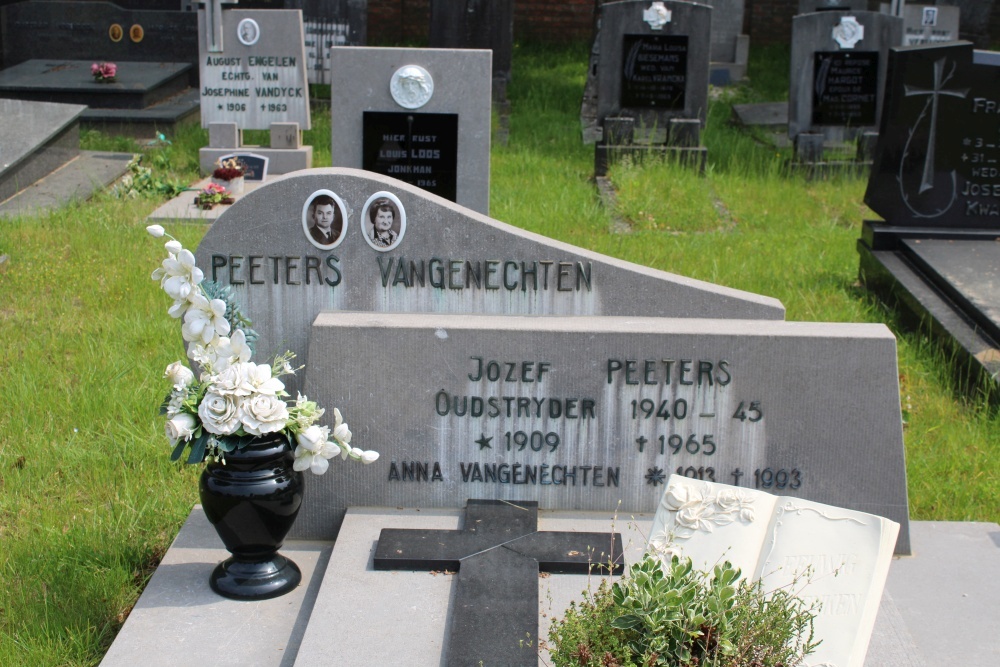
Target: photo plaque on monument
[845,88]
[654,71]
[417,148]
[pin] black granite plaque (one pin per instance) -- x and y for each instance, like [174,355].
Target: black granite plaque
[654,71]
[418,148]
[254,166]
[845,88]
[937,163]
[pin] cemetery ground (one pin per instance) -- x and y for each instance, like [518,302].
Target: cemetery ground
[89,500]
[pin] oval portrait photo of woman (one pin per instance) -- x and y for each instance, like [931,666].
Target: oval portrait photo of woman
[384,220]
[324,219]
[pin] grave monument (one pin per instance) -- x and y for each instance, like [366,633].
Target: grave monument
[652,79]
[730,47]
[935,184]
[479,24]
[422,117]
[837,74]
[253,77]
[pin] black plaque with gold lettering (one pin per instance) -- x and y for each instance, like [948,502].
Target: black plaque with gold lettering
[654,71]
[845,88]
[418,148]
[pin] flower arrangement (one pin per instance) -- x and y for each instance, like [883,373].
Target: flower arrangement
[234,398]
[213,195]
[229,169]
[104,72]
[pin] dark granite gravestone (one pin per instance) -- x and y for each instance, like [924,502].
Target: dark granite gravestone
[497,557]
[936,182]
[66,30]
[926,24]
[477,24]
[809,6]
[651,79]
[837,69]
[417,148]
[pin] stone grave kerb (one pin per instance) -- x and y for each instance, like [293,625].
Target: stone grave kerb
[253,77]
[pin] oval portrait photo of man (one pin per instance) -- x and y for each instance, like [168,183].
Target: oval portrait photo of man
[324,219]
[384,220]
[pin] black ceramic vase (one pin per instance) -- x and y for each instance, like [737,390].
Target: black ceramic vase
[252,500]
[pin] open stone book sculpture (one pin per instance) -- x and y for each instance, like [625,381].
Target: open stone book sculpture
[837,557]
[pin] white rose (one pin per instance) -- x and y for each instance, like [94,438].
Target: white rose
[180,427]
[220,414]
[678,495]
[179,375]
[264,414]
[234,381]
[727,500]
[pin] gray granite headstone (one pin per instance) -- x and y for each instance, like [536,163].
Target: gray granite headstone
[257,76]
[446,259]
[74,30]
[928,24]
[36,138]
[730,47]
[837,74]
[653,61]
[437,137]
[593,413]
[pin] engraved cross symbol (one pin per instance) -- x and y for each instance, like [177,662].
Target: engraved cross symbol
[927,180]
[498,555]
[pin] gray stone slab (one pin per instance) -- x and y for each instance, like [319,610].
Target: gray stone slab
[36,138]
[163,116]
[78,179]
[969,270]
[764,114]
[439,236]
[137,84]
[727,26]
[180,621]
[462,84]
[848,99]
[182,208]
[259,75]
[622,27]
[619,401]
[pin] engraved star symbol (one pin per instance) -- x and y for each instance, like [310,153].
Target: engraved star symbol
[220,107]
[484,442]
[966,142]
[655,476]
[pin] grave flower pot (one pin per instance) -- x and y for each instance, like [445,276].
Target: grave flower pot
[252,500]
[234,185]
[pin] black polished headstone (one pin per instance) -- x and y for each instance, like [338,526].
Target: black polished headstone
[845,88]
[477,24]
[654,71]
[67,30]
[937,163]
[417,148]
[497,556]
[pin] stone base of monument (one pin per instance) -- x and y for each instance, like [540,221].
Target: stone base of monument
[680,141]
[286,153]
[144,95]
[729,73]
[948,279]
[42,166]
[938,607]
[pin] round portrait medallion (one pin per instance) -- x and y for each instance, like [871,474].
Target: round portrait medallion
[116,32]
[411,86]
[248,31]
[384,221]
[136,33]
[324,219]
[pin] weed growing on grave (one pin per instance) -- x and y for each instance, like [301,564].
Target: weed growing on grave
[672,615]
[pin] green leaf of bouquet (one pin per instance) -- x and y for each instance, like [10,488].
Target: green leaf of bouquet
[198,449]
[177,450]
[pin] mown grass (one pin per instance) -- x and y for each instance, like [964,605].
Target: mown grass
[88,499]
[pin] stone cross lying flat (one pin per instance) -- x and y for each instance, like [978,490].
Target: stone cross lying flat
[498,556]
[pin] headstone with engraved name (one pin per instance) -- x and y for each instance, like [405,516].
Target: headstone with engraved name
[473,395]
[253,77]
[423,116]
[936,183]
[925,24]
[837,73]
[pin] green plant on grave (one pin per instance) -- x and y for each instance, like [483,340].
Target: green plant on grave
[140,181]
[672,615]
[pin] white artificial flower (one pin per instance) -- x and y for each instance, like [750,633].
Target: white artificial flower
[174,246]
[156,231]
[369,456]
[314,450]
[220,414]
[180,376]
[264,414]
[341,434]
[178,308]
[208,356]
[260,379]
[176,402]
[233,380]
[178,275]
[180,427]
[306,412]
[205,320]
[239,350]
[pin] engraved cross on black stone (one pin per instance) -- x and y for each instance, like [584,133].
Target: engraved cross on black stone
[498,555]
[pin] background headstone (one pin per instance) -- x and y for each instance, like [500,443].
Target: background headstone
[926,24]
[61,30]
[730,47]
[442,145]
[477,24]
[809,6]
[837,72]
[449,259]
[593,413]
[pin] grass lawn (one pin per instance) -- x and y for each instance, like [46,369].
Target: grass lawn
[88,498]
